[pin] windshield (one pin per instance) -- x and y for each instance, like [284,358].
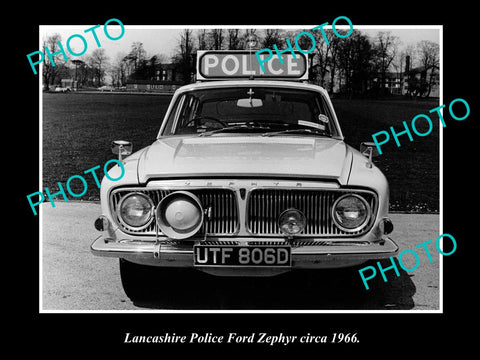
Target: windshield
[245,109]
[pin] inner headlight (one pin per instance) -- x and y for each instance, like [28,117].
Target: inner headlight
[135,210]
[351,212]
[179,215]
[291,222]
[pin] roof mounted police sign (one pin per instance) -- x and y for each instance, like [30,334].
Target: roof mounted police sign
[225,65]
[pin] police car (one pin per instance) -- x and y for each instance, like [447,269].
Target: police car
[249,176]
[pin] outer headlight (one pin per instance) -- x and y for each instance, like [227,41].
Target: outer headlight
[351,212]
[135,211]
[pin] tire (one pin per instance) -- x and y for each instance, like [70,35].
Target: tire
[142,282]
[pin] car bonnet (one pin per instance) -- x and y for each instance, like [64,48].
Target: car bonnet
[287,156]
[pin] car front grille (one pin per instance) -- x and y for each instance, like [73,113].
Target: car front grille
[265,205]
[224,215]
[262,207]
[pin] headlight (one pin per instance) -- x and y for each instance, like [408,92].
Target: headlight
[351,212]
[179,215]
[135,211]
[291,222]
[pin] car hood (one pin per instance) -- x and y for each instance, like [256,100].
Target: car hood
[256,156]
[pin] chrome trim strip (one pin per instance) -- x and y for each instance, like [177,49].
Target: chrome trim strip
[101,246]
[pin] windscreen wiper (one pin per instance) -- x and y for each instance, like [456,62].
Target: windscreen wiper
[233,128]
[297,131]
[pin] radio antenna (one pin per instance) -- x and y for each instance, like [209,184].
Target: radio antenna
[251,43]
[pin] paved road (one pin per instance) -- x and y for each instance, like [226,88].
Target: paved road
[74,279]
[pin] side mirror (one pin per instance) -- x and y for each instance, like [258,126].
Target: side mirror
[369,149]
[366,146]
[122,148]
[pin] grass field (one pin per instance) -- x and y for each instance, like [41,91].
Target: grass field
[78,129]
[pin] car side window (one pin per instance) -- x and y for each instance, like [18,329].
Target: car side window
[187,112]
[173,117]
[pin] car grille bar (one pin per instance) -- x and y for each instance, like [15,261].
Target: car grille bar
[265,205]
[224,212]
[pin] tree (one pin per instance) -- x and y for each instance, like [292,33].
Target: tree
[83,72]
[202,39]
[355,56]
[51,70]
[429,56]
[137,54]
[249,35]
[303,43]
[272,37]
[324,55]
[333,61]
[147,69]
[118,70]
[216,37]
[385,49]
[234,40]
[402,63]
[98,61]
[78,64]
[183,57]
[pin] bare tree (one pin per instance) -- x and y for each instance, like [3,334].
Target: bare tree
[51,69]
[183,57]
[325,56]
[333,60]
[83,72]
[216,38]
[429,56]
[354,60]
[410,51]
[233,39]
[322,57]
[403,63]
[249,35]
[186,43]
[385,49]
[399,62]
[202,39]
[78,63]
[137,54]
[118,70]
[98,60]
[272,37]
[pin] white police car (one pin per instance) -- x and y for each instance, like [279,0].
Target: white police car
[249,176]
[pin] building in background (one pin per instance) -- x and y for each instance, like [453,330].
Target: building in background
[166,78]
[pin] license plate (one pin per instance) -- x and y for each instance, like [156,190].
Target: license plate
[252,256]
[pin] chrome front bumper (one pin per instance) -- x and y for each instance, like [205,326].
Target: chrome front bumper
[322,254]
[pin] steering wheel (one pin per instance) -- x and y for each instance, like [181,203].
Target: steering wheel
[205,117]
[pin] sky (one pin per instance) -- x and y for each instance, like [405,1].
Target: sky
[164,39]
